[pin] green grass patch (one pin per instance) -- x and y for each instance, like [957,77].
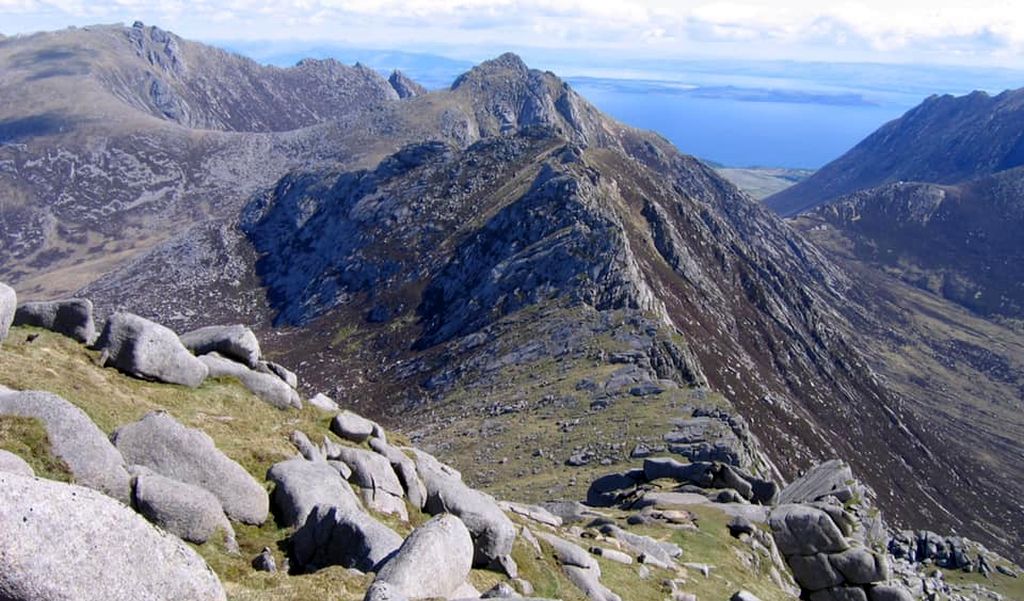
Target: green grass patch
[26,437]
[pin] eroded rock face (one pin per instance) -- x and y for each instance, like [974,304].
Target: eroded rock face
[75,439]
[432,562]
[159,442]
[63,541]
[71,317]
[812,537]
[148,350]
[804,530]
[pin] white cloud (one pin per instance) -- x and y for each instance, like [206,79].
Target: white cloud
[984,31]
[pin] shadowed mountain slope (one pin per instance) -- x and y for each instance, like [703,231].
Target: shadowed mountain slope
[944,140]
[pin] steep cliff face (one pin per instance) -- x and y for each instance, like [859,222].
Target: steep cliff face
[944,140]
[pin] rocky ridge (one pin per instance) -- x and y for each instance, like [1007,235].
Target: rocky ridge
[944,140]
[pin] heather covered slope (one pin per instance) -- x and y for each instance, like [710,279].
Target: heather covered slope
[944,140]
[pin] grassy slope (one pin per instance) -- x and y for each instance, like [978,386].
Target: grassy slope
[761,182]
[256,436]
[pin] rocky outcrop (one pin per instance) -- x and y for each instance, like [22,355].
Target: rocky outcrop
[379,486]
[269,388]
[628,487]
[74,543]
[825,563]
[493,533]
[922,546]
[405,468]
[288,376]
[300,486]
[404,86]
[712,434]
[8,306]
[433,561]
[148,350]
[236,342]
[189,512]
[344,536]
[75,439]
[356,428]
[159,442]
[71,317]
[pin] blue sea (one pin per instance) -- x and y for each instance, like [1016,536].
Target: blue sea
[744,132]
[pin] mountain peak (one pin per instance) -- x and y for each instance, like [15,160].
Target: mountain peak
[508,64]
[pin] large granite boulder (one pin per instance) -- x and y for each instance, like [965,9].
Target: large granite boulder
[831,478]
[860,566]
[380,488]
[699,473]
[8,306]
[159,442]
[805,530]
[405,469]
[301,486]
[186,511]
[347,537]
[492,531]
[75,439]
[71,317]
[272,390]
[814,572]
[356,428]
[148,350]
[62,541]
[13,464]
[236,342]
[433,561]
[612,489]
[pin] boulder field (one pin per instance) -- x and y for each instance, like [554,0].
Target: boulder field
[397,519]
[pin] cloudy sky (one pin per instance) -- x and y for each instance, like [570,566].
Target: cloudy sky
[980,32]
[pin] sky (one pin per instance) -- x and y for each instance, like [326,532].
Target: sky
[981,32]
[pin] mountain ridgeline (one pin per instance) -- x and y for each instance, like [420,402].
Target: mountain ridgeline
[528,288]
[944,140]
